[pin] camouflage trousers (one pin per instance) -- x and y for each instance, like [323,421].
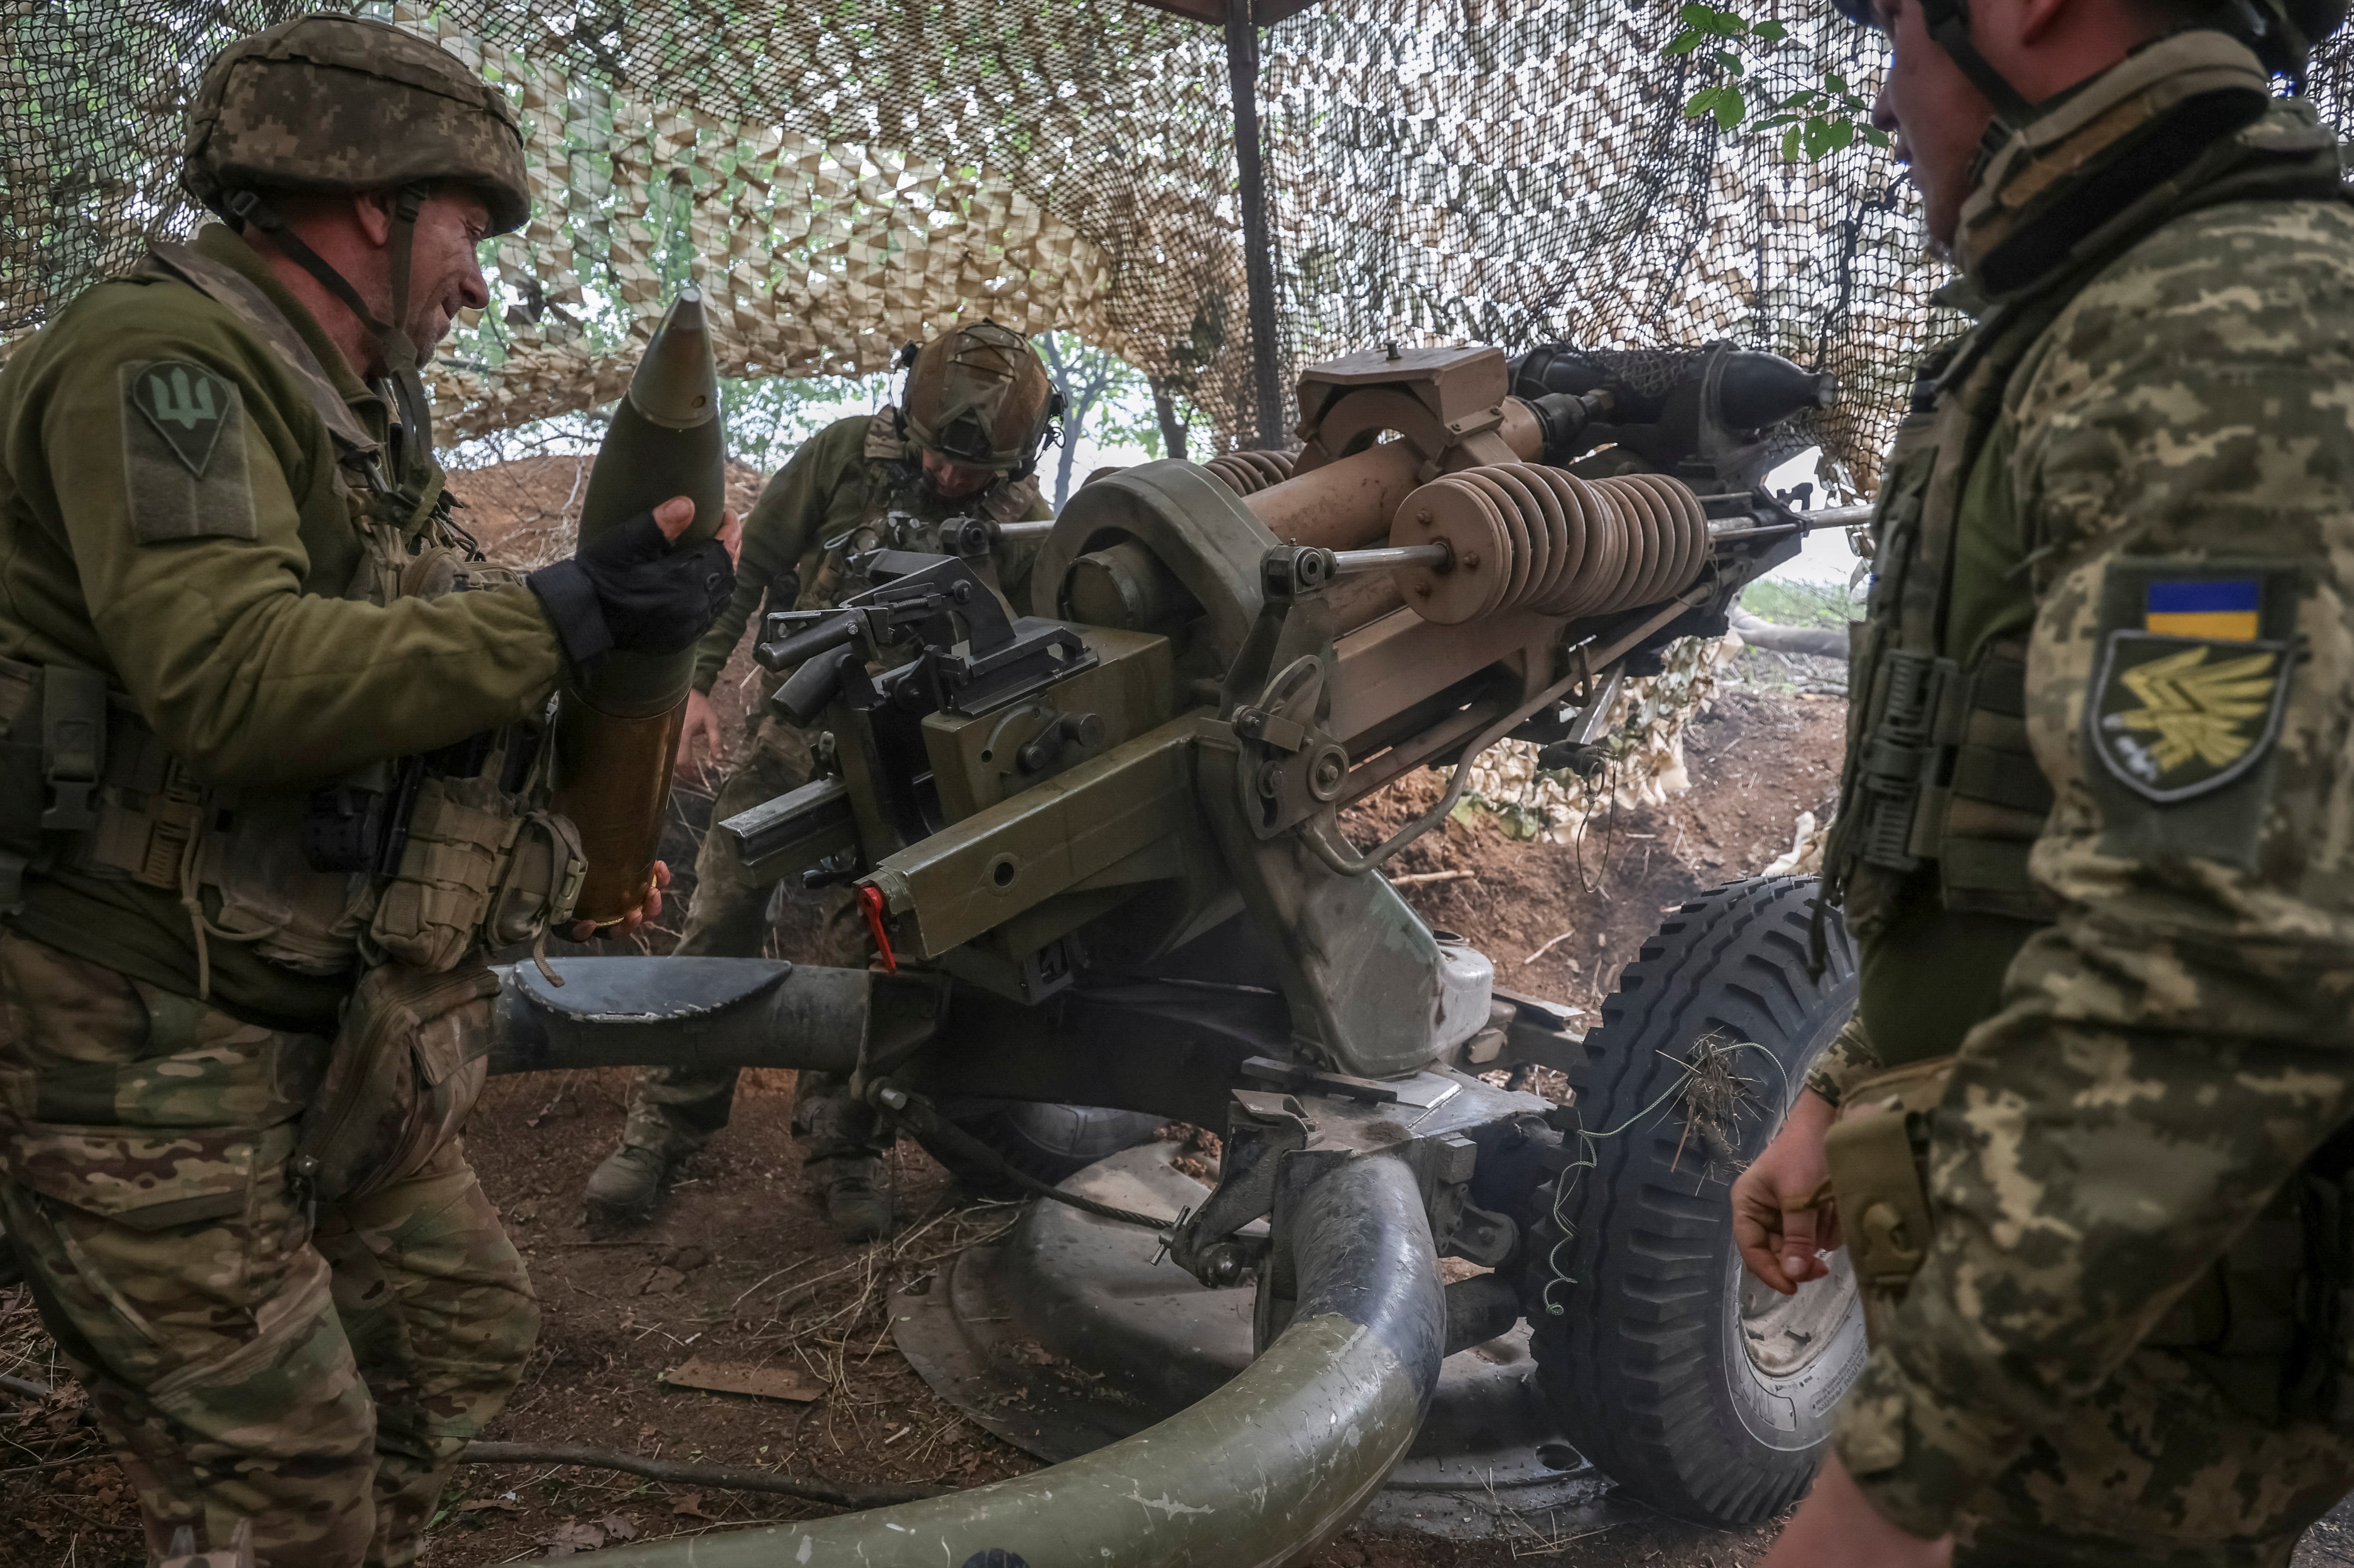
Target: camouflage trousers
[676,1109]
[2160,1469]
[246,1358]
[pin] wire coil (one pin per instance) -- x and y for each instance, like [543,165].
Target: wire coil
[1525,536]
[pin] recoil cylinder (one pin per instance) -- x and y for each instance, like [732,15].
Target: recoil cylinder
[1247,473]
[1522,535]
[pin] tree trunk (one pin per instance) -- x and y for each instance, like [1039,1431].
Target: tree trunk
[1173,430]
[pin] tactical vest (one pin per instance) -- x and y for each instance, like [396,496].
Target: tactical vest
[419,860]
[1938,774]
[1938,770]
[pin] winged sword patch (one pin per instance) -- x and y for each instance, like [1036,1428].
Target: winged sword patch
[2177,717]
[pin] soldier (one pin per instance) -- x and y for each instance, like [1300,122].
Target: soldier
[964,443]
[271,778]
[2097,838]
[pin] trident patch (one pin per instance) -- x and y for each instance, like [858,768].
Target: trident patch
[187,405]
[2177,717]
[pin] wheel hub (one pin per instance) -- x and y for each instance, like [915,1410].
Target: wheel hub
[1784,1334]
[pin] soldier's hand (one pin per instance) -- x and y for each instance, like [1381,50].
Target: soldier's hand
[700,733]
[636,588]
[1837,1527]
[1780,1218]
[673,515]
[628,924]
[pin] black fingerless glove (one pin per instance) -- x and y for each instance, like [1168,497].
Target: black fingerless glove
[633,590]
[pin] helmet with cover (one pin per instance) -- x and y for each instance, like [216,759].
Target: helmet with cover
[2283,33]
[342,104]
[328,104]
[980,396]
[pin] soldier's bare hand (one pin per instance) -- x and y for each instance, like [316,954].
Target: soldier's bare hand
[701,747]
[1777,1231]
[1837,1527]
[628,924]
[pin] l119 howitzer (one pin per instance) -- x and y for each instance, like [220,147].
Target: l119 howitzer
[1098,847]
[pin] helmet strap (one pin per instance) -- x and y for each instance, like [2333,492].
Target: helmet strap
[398,349]
[1948,23]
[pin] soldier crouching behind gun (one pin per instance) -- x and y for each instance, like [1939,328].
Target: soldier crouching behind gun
[964,441]
[271,777]
[2094,1157]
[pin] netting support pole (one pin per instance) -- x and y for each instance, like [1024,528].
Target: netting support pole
[1258,246]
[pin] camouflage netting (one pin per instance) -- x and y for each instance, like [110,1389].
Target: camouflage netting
[851,173]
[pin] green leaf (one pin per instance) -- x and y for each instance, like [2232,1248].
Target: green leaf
[1791,145]
[1835,81]
[1729,60]
[1684,43]
[1877,137]
[1771,32]
[1730,106]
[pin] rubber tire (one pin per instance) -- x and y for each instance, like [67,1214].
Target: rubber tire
[1638,1368]
[1047,1142]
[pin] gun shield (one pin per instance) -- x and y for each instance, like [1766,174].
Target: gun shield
[618,721]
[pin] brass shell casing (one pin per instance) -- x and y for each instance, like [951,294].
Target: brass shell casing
[618,721]
[613,778]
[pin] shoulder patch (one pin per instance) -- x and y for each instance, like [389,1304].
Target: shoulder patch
[183,457]
[2176,718]
[187,405]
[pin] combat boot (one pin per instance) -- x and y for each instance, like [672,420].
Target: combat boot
[854,1203]
[623,1190]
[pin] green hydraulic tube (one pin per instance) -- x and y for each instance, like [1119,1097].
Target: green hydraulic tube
[617,722]
[1278,1460]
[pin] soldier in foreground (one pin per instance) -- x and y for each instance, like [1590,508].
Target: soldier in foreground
[2096,836]
[965,443]
[271,778]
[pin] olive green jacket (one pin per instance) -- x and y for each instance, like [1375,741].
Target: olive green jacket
[210,587]
[852,473]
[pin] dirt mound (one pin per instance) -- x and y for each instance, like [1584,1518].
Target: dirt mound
[524,513]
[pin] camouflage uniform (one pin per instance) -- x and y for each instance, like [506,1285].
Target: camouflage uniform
[847,478]
[229,618]
[2108,858]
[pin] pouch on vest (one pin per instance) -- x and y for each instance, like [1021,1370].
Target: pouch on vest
[407,1065]
[476,865]
[1878,1153]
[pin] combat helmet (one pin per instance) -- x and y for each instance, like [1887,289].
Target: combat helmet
[342,103]
[2283,33]
[978,395]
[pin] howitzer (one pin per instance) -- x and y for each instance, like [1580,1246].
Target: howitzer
[1100,847]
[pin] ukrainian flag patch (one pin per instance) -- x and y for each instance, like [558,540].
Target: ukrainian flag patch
[2219,610]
